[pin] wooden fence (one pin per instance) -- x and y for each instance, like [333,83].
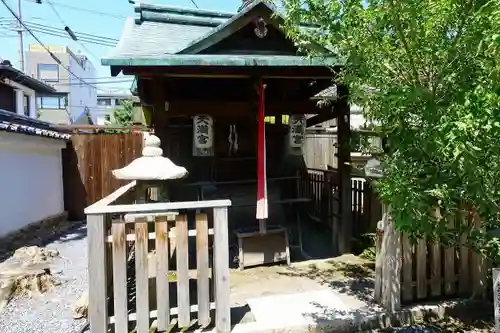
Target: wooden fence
[139,265]
[87,163]
[322,187]
[408,272]
[320,150]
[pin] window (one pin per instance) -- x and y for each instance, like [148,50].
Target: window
[103,120]
[51,102]
[26,103]
[284,119]
[269,119]
[48,72]
[104,101]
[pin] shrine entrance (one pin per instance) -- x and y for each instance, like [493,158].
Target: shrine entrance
[232,106]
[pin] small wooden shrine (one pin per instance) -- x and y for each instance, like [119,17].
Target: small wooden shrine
[229,95]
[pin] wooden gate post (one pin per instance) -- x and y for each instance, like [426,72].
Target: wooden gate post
[221,274]
[98,302]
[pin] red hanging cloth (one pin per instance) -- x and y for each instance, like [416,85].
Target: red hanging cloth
[262,206]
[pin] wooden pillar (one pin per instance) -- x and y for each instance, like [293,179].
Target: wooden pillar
[344,167]
[159,116]
[221,274]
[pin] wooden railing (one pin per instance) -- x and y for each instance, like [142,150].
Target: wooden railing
[366,208]
[131,252]
[322,187]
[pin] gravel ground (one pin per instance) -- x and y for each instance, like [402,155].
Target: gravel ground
[483,323]
[52,312]
[413,329]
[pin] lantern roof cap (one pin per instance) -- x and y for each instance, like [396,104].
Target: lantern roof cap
[152,165]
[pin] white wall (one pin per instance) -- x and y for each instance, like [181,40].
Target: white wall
[81,95]
[31,180]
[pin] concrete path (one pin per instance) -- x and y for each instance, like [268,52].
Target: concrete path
[303,312]
[296,309]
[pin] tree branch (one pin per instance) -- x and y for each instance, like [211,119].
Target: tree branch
[399,29]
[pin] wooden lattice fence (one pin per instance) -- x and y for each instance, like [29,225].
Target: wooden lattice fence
[407,272]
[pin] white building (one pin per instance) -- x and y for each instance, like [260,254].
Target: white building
[18,91]
[76,92]
[107,103]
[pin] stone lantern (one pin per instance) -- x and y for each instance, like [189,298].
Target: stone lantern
[151,171]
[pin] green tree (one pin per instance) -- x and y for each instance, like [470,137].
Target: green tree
[427,72]
[124,115]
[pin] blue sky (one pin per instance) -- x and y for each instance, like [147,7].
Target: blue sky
[97,17]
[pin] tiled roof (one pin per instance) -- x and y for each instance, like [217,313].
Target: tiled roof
[159,30]
[329,93]
[7,71]
[11,122]
[154,39]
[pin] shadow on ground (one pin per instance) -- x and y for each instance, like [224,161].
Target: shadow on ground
[346,275]
[457,317]
[42,237]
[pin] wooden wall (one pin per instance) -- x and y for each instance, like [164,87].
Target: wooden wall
[320,151]
[87,163]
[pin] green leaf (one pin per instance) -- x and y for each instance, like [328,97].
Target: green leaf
[428,73]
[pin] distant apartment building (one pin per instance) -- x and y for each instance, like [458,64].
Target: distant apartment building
[75,94]
[107,103]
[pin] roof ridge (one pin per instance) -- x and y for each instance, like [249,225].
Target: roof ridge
[240,15]
[182,11]
[175,18]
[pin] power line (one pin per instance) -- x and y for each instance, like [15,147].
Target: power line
[70,32]
[58,30]
[105,38]
[36,24]
[194,3]
[108,78]
[4,34]
[63,34]
[81,34]
[81,9]
[52,55]
[97,82]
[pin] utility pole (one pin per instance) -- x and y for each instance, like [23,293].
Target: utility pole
[20,33]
